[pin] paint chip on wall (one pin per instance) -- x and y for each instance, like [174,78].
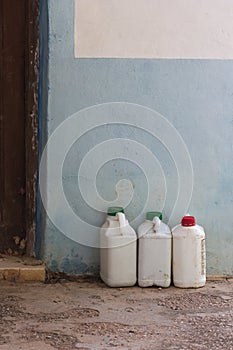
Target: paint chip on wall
[154,29]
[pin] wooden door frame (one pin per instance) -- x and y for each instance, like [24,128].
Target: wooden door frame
[31,121]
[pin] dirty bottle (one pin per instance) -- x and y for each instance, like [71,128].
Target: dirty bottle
[154,253]
[189,254]
[118,250]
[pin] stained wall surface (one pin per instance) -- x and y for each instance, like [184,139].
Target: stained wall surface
[173,83]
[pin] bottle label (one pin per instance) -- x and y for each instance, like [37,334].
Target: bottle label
[203,257]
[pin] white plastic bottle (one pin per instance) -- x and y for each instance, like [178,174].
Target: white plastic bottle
[118,253]
[154,255]
[189,255]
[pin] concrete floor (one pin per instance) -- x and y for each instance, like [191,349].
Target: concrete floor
[88,315]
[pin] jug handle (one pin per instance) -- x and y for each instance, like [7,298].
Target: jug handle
[122,221]
[156,223]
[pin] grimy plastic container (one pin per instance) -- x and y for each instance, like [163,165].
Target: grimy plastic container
[118,253]
[189,254]
[154,253]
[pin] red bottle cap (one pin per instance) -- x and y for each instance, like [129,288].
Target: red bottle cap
[188,221]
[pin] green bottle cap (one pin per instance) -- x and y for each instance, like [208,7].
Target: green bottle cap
[151,214]
[112,211]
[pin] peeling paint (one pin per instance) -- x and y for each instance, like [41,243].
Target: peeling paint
[32,127]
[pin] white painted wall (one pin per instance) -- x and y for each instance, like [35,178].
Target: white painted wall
[154,28]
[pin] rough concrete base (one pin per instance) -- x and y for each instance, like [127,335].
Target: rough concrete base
[25,269]
[15,269]
[219,278]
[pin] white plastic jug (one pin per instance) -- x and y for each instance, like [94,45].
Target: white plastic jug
[118,253]
[154,259]
[189,255]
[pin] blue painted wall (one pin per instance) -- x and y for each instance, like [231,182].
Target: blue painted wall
[196,96]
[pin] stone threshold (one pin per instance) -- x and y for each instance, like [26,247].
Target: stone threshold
[21,269]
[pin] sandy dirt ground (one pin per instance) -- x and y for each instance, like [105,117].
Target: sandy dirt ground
[89,315]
